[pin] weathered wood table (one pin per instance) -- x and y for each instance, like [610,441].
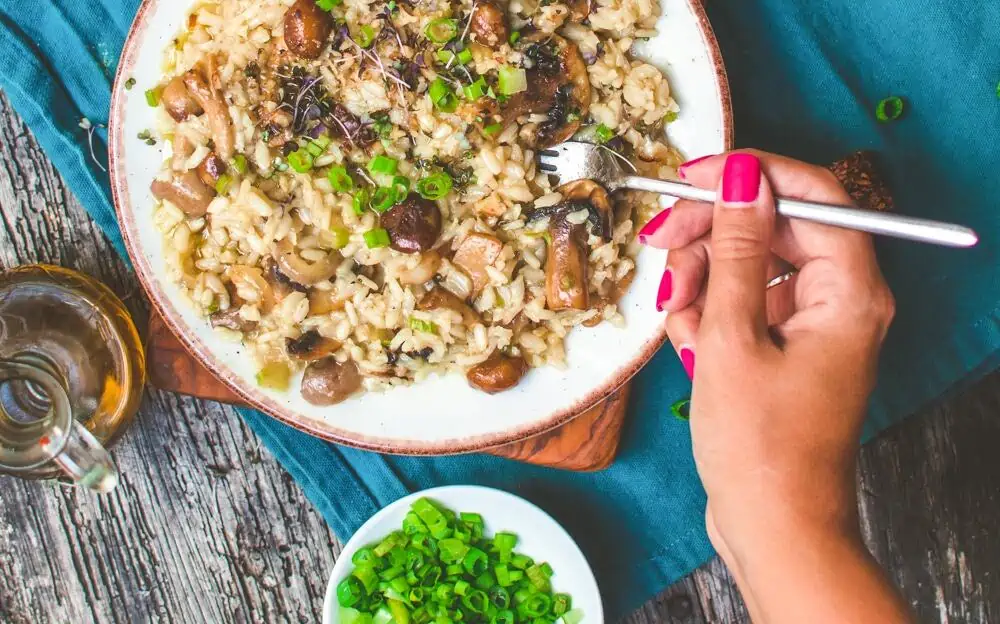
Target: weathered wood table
[207,527]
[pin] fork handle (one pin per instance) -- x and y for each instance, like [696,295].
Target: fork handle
[897,226]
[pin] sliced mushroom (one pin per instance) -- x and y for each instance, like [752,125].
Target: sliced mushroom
[439,297]
[178,102]
[328,382]
[579,10]
[311,346]
[477,252]
[307,29]
[488,23]
[413,225]
[186,191]
[498,373]
[558,86]
[219,122]
[211,169]
[300,271]
[231,319]
[425,270]
[566,265]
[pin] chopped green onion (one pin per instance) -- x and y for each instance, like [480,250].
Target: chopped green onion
[361,202]
[240,163]
[300,160]
[442,30]
[521,562]
[349,592]
[340,180]
[129,84]
[504,544]
[327,5]
[365,36]
[512,80]
[681,409]
[153,96]
[492,129]
[383,199]
[340,237]
[475,90]
[222,184]
[400,188]
[377,238]
[604,133]
[561,603]
[442,96]
[464,56]
[435,186]
[383,164]
[447,57]
[514,37]
[316,147]
[889,109]
[429,327]
[670,117]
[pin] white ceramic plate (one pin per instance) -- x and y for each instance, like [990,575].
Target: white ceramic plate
[539,536]
[441,415]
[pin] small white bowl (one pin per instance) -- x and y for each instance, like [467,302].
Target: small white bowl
[538,536]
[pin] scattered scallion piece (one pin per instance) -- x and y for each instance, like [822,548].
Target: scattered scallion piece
[365,36]
[129,84]
[464,56]
[889,109]
[222,184]
[514,37]
[512,80]
[300,160]
[442,30]
[492,129]
[240,164]
[604,133]
[340,237]
[383,164]
[681,409]
[361,200]
[340,180]
[435,186]
[375,239]
[316,147]
[442,569]
[400,188]
[429,327]
[475,90]
[327,5]
[442,96]
[383,199]
[153,96]
[274,375]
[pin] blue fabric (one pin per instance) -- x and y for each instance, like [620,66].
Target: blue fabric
[805,78]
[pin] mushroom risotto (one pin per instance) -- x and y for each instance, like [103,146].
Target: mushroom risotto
[352,189]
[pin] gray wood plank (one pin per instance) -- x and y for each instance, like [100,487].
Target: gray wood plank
[207,527]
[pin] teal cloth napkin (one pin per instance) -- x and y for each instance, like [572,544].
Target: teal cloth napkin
[806,78]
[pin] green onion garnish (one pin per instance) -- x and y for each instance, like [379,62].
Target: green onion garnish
[435,186]
[316,147]
[153,97]
[340,180]
[400,188]
[340,237]
[383,199]
[447,556]
[375,239]
[603,133]
[442,569]
[442,30]
[383,164]
[442,96]
[361,201]
[327,5]
[129,84]
[512,80]
[514,36]
[464,55]
[447,57]
[365,36]
[670,117]
[681,409]
[492,129]
[889,109]
[300,160]
[475,90]
[222,184]
[240,163]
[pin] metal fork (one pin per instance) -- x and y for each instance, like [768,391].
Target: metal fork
[584,161]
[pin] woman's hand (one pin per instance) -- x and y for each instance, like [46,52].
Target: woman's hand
[781,381]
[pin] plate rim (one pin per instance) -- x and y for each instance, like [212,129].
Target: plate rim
[325,431]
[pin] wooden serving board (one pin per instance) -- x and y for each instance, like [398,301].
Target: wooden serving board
[589,442]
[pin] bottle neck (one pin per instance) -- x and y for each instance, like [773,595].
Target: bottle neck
[35,412]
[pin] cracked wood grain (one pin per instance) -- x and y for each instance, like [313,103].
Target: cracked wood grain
[207,527]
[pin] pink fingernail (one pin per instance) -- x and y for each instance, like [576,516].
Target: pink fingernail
[687,360]
[741,179]
[665,290]
[691,163]
[654,224]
